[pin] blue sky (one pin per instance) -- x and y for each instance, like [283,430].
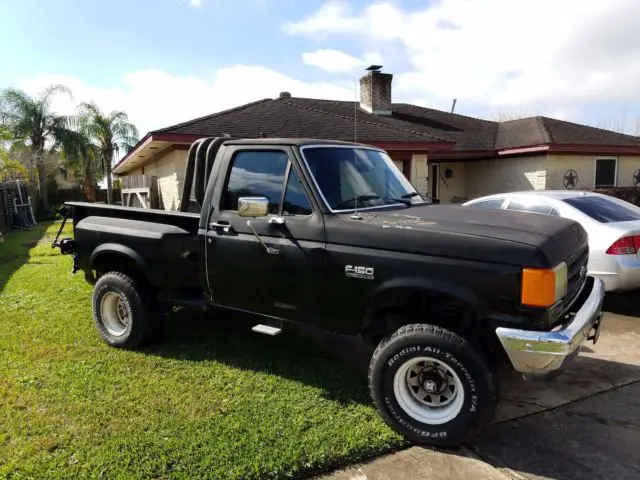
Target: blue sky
[101,41]
[165,61]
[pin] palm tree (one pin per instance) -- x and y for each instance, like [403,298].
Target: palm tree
[82,156]
[110,134]
[5,137]
[31,120]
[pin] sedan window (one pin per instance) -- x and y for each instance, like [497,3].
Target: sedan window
[493,204]
[603,209]
[534,207]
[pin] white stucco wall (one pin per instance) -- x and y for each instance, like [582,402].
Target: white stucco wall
[505,174]
[585,167]
[169,169]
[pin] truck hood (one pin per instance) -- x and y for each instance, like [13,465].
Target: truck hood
[514,238]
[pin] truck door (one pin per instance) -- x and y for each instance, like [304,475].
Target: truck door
[281,273]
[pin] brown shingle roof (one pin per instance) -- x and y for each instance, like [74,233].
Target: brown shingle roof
[561,132]
[331,119]
[292,117]
[526,132]
[523,132]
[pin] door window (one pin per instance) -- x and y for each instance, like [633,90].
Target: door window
[256,173]
[262,173]
[296,201]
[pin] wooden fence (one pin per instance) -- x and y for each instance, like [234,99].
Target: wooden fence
[16,202]
[62,195]
[140,191]
[5,210]
[56,199]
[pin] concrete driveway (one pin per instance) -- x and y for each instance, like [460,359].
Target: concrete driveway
[583,424]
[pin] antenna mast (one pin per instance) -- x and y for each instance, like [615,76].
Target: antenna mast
[355,113]
[356,215]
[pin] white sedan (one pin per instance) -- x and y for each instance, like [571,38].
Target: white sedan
[613,226]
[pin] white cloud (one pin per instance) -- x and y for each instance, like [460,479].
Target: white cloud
[500,53]
[336,61]
[195,3]
[155,99]
[330,18]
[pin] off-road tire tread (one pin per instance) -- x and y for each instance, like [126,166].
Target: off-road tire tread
[458,344]
[149,327]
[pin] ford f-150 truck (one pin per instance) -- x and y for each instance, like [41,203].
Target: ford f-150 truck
[332,235]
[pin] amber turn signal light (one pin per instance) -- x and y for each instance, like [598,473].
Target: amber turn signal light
[542,287]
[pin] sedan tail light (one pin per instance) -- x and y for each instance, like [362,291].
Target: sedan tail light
[628,245]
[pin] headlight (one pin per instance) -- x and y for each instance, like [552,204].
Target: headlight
[542,287]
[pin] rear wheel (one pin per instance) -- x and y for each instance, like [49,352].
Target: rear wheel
[431,386]
[123,311]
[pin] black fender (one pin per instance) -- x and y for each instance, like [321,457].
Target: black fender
[120,250]
[420,284]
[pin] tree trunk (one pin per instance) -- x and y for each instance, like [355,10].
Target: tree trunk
[88,187]
[42,178]
[109,186]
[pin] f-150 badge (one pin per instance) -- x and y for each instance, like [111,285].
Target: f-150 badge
[357,271]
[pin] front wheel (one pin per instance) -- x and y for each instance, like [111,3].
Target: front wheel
[431,386]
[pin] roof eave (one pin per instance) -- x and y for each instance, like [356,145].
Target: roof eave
[147,142]
[595,149]
[521,150]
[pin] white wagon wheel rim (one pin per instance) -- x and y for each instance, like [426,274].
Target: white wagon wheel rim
[114,314]
[428,390]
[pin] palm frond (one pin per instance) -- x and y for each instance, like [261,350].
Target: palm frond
[45,96]
[88,109]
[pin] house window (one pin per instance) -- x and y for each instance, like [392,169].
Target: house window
[606,170]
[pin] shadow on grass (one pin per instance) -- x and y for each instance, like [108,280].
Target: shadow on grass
[14,251]
[324,361]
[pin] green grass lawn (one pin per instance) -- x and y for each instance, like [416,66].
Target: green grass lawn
[212,400]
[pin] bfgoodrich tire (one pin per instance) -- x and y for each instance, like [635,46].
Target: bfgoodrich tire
[431,386]
[123,311]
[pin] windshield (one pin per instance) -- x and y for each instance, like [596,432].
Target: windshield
[605,210]
[351,177]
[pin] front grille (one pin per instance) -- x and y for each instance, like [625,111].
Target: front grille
[577,275]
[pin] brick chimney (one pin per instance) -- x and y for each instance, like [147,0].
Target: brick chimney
[375,91]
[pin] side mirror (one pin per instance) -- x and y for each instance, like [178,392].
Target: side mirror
[253,206]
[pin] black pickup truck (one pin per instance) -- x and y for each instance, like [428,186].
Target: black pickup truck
[332,235]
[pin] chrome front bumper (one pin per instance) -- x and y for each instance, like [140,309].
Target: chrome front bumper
[537,352]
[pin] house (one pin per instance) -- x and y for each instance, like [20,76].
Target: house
[445,155]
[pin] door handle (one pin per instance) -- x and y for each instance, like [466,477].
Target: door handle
[225,226]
